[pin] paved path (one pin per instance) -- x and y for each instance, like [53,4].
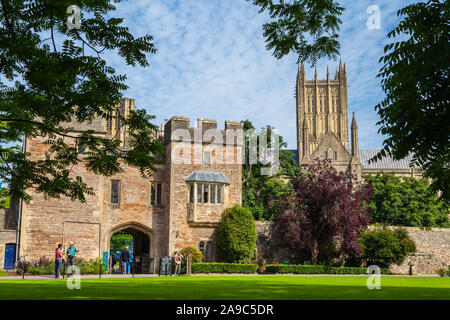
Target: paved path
[109,276]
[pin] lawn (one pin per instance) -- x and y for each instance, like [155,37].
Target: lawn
[230,287]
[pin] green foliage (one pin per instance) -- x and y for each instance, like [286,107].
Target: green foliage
[441,272]
[120,240]
[415,78]
[260,192]
[4,198]
[307,27]
[306,269]
[2,273]
[52,76]
[383,247]
[215,267]
[405,202]
[195,253]
[236,235]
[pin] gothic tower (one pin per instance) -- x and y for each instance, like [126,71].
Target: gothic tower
[322,106]
[322,121]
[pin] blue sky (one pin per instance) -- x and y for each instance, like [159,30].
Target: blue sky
[212,63]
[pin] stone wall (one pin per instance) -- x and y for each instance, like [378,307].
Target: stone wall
[49,221]
[433,249]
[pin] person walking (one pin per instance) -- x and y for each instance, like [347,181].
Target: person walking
[71,251]
[58,260]
[126,260]
[178,260]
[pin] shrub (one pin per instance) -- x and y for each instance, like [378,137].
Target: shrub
[216,267]
[2,273]
[316,269]
[195,253]
[383,247]
[441,272]
[236,235]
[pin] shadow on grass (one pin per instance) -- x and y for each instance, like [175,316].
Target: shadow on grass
[231,288]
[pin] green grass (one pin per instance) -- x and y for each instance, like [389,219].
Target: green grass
[230,287]
[2,273]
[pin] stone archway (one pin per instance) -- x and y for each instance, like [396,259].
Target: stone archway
[143,244]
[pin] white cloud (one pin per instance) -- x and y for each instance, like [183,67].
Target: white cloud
[212,63]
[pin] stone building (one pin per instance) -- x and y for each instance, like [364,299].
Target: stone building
[179,206]
[322,129]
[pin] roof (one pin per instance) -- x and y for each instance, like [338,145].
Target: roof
[384,163]
[198,176]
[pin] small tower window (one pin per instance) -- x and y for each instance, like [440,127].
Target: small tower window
[207,158]
[335,155]
[201,247]
[326,155]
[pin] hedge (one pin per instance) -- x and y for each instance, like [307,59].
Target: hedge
[216,267]
[306,269]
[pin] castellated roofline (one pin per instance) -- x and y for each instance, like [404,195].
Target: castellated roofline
[182,126]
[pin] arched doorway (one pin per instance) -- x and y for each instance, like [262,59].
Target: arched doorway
[139,240]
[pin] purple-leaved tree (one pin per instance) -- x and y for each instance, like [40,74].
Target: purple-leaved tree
[325,214]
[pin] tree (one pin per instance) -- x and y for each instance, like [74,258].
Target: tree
[4,198]
[324,216]
[415,77]
[383,247]
[405,202]
[195,253]
[260,191]
[120,240]
[307,27]
[51,74]
[236,235]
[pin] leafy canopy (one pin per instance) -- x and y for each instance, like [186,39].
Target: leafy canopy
[307,27]
[259,191]
[415,78]
[51,75]
[120,240]
[383,247]
[405,202]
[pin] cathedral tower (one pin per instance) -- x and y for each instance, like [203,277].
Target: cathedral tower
[322,106]
[322,121]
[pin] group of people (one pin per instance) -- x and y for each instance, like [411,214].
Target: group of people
[59,258]
[126,258]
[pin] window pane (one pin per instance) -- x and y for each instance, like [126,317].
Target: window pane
[213,193]
[335,155]
[219,194]
[207,158]
[115,192]
[199,193]
[201,247]
[205,193]
[191,193]
[158,194]
[153,194]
